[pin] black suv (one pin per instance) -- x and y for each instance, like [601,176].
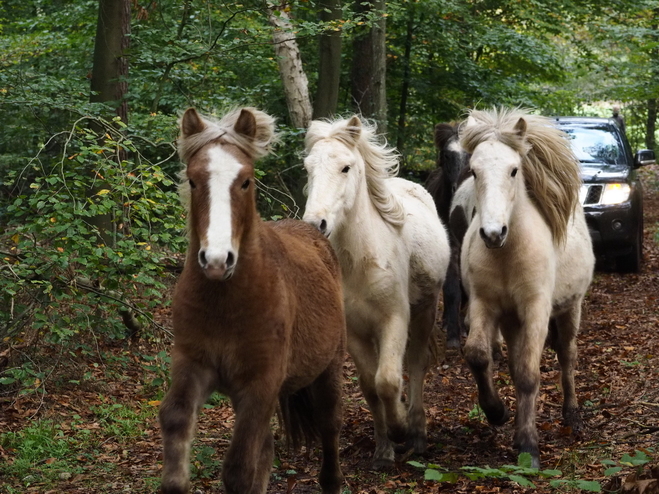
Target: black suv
[612,193]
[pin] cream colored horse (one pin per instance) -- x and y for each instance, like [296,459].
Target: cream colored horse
[394,253]
[527,260]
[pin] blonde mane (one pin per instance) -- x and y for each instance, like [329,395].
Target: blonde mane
[380,160]
[550,169]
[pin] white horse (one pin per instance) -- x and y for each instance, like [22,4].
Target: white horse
[526,260]
[394,252]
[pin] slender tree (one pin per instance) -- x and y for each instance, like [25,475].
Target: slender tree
[293,77]
[110,67]
[368,70]
[329,63]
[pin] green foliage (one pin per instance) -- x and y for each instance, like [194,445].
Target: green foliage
[520,473]
[64,274]
[35,449]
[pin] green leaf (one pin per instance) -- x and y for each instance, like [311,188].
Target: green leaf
[612,470]
[589,485]
[525,460]
[437,476]
[416,464]
[523,481]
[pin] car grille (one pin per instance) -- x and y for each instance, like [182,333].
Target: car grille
[590,194]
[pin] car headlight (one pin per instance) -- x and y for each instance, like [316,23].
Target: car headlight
[615,193]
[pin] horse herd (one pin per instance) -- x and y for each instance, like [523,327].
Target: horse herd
[264,311]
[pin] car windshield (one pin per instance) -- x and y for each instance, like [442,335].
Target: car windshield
[595,145]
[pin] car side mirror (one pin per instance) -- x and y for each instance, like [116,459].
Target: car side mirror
[644,157]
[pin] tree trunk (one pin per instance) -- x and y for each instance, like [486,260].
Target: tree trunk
[650,141]
[369,66]
[110,69]
[329,65]
[109,81]
[402,115]
[296,86]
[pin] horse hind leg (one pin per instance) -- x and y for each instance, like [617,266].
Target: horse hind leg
[478,354]
[327,405]
[565,345]
[417,357]
[191,386]
[364,354]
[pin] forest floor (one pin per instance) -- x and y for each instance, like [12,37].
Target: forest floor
[96,429]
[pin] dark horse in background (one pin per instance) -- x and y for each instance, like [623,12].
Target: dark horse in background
[442,183]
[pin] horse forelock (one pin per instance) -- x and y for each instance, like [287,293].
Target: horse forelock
[380,162]
[255,147]
[550,169]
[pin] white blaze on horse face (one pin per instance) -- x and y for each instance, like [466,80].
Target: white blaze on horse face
[217,253]
[331,185]
[495,167]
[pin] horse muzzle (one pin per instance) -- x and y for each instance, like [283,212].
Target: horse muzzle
[217,268]
[320,224]
[494,239]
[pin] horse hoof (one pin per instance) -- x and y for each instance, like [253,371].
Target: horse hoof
[453,343]
[382,464]
[498,415]
[572,418]
[397,434]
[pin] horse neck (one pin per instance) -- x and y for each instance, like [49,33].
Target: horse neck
[362,227]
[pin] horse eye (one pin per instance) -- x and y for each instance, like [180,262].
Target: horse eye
[192,184]
[245,184]
[346,169]
[514,172]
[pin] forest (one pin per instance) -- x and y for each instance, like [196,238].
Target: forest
[93,232]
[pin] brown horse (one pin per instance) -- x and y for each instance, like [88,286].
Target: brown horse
[258,314]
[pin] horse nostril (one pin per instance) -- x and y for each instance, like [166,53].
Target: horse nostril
[202,258]
[323,226]
[230,259]
[504,231]
[482,232]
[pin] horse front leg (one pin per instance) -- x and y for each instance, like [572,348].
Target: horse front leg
[525,351]
[565,345]
[248,461]
[364,354]
[389,376]
[478,354]
[452,292]
[422,323]
[191,386]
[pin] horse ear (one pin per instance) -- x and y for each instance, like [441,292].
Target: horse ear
[354,128]
[520,127]
[471,121]
[191,123]
[246,124]
[443,132]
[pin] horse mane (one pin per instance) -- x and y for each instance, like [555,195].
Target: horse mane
[381,161]
[256,147]
[550,169]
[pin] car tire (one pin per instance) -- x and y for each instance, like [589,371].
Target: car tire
[631,263]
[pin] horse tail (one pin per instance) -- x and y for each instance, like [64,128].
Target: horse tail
[297,418]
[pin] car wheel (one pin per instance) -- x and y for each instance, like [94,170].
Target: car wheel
[631,263]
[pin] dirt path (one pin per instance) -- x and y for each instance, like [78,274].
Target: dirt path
[616,385]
